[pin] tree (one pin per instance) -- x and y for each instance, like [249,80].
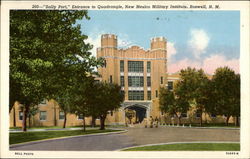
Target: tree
[108,97]
[191,88]
[43,45]
[170,103]
[226,92]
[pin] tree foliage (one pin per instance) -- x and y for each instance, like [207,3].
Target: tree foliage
[46,48]
[192,87]
[226,90]
[171,104]
[108,97]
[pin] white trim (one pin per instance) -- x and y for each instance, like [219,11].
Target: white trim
[149,88]
[135,88]
[135,73]
[128,58]
[121,73]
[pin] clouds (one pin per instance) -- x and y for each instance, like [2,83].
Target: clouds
[171,50]
[198,42]
[208,64]
[95,41]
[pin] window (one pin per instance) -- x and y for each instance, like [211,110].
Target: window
[148,66]
[122,81]
[161,80]
[156,93]
[135,81]
[184,115]
[123,92]
[149,95]
[43,115]
[121,66]
[61,115]
[135,66]
[170,85]
[43,101]
[110,79]
[148,81]
[135,95]
[80,116]
[198,115]
[105,63]
[20,115]
[213,115]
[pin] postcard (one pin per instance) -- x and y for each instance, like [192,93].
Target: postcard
[125,79]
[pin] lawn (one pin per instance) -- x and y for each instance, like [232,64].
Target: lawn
[32,136]
[190,147]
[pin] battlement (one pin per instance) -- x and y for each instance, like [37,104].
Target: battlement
[109,41]
[158,43]
[112,36]
[161,38]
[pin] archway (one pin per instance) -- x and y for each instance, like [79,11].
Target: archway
[140,112]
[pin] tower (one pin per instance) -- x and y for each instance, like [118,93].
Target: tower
[108,51]
[158,43]
[158,52]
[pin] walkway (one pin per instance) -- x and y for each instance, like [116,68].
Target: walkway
[134,137]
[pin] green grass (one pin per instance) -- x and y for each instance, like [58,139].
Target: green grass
[190,147]
[47,127]
[230,125]
[32,136]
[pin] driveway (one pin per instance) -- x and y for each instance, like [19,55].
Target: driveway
[133,137]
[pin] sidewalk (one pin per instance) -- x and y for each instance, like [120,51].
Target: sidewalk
[50,129]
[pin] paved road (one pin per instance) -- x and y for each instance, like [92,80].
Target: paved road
[134,137]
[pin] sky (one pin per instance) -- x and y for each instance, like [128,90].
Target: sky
[200,39]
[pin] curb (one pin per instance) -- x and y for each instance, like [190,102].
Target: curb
[65,137]
[164,126]
[171,143]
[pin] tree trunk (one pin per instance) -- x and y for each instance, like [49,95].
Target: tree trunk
[29,121]
[201,120]
[102,120]
[93,124]
[237,121]
[65,120]
[179,120]
[84,125]
[25,113]
[55,121]
[14,117]
[227,119]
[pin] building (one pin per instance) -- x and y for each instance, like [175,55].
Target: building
[139,72]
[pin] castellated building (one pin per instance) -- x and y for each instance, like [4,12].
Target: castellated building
[139,72]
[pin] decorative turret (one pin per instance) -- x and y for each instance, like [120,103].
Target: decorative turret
[158,43]
[109,41]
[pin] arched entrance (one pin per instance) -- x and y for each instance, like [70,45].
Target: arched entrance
[140,112]
[141,108]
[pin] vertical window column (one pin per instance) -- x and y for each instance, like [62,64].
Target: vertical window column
[148,66]
[121,66]
[148,81]
[110,79]
[149,95]
[122,81]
